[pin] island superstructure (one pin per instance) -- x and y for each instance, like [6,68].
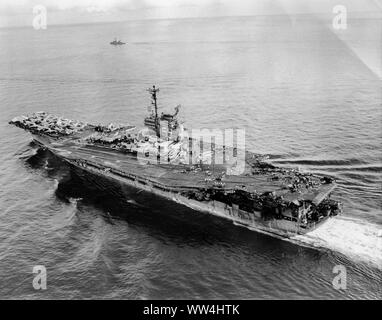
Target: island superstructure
[161,159]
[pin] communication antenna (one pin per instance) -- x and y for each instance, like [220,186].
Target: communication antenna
[153,91]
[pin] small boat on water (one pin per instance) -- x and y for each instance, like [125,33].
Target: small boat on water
[116,42]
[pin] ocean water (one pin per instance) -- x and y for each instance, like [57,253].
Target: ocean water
[307,95]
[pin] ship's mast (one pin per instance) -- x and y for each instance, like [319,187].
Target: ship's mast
[153,91]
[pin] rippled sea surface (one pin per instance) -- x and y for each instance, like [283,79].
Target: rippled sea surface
[306,95]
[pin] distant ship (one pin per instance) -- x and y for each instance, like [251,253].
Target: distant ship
[158,160]
[117,43]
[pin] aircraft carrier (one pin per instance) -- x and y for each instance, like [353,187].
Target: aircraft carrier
[161,158]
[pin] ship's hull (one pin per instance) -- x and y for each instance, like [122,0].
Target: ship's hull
[275,227]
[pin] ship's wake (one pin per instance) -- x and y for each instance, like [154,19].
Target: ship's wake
[358,240]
